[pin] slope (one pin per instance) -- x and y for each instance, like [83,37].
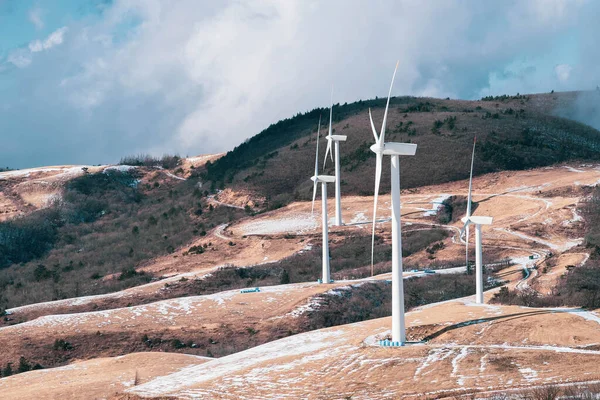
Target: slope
[95,379]
[515,132]
[461,348]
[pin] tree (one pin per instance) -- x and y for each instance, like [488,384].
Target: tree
[7,371]
[24,366]
[41,272]
[285,277]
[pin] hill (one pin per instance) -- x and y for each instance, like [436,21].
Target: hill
[459,349]
[514,133]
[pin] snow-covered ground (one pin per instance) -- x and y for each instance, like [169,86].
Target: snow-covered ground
[299,223]
[202,158]
[255,358]
[120,168]
[287,365]
[573,169]
[25,173]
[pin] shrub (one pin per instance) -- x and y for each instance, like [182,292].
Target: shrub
[128,272]
[61,344]
[41,272]
[96,275]
[196,250]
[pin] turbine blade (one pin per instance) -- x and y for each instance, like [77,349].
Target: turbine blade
[331,111]
[373,127]
[314,197]
[462,231]
[328,151]
[387,105]
[317,156]
[378,168]
[467,246]
[471,180]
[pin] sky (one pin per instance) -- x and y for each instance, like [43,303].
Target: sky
[91,81]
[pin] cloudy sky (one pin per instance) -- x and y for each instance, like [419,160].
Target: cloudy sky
[89,81]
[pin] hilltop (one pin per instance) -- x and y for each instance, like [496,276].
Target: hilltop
[513,132]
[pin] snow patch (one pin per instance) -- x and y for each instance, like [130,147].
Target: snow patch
[464,352]
[359,219]
[120,168]
[303,346]
[299,223]
[529,374]
[573,169]
[25,173]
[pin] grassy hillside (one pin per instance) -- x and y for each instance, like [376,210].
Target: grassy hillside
[105,226]
[514,132]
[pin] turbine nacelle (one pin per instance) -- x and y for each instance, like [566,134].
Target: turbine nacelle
[395,149]
[477,220]
[323,178]
[337,138]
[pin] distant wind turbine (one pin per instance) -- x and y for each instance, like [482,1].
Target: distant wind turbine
[395,150]
[466,228]
[477,221]
[336,139]
[323,180]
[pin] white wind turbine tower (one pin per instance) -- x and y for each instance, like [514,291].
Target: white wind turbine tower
[336,139]
[323,180]
[395,150]
[477,221]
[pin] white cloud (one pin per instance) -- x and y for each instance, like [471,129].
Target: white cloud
[194,77]
[54,39]
[35,17]
[563,72]
[23,57]
[20,58]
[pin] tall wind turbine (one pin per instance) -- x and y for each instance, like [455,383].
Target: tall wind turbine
[466,228]
[323,180]
[336,139]
[477,221]
[395,150]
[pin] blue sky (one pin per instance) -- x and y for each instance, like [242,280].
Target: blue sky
[23,21]
[91,81]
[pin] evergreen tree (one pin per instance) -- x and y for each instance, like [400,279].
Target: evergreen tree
[285,277]
[7,371]
[23,365]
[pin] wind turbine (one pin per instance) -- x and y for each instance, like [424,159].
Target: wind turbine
[395,150]
[466,228]
[323,180]
[477,221]
[336,139]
